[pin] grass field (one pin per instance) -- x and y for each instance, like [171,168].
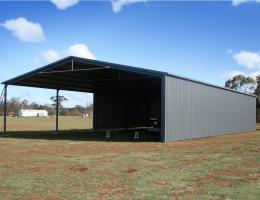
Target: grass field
[44,124]
[224,167]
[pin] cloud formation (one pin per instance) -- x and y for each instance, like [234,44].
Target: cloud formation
[239,2]
[117,5]
[51,55]
[64,4]
[250,60]
[79,50]
[25,30]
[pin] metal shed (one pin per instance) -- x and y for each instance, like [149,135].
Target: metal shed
[32,113]
[128,98]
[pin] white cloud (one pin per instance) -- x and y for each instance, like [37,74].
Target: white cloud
[238,2]
[51,55]
[250,60]
[25,30]
[64,4]
[231,73]
[118,4]
[79,50]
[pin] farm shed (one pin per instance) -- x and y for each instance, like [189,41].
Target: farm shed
[130,98]
[32,113]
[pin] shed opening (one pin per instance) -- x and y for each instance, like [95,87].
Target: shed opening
[126,99]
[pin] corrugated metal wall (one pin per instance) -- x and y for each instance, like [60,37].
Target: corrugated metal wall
[194,110]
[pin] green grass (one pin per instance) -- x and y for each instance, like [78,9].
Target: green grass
[44,124]
[224,167]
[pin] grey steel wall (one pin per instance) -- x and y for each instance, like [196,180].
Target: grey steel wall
[194,110]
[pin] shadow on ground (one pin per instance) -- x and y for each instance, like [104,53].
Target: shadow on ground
[84,135]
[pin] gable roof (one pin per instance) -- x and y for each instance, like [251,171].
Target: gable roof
[70,59]
[73,69]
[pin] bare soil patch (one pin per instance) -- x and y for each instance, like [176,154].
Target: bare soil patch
[228,173]
[131,171]
[214,180]
[77,169]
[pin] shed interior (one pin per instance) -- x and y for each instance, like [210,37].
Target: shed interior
[124,97]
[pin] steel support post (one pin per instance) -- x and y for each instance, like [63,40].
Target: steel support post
[5,109]
[57,111]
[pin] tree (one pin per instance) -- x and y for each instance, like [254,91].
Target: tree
[80,109]
[25,104]
[61,99]
[14,105]
[242,84]
[34,106]
[257,92]
[89,109]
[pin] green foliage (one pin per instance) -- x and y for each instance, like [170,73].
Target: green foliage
[61,99]
[247,85]
[257,92]
[242,84]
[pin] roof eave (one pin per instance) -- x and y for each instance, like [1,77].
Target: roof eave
[28,74]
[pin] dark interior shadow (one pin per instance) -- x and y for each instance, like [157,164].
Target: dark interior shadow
[84,135]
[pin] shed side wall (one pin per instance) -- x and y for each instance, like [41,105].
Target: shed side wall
[194,110]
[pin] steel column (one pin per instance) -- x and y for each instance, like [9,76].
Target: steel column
[5,108]
[163,120]
[57,111]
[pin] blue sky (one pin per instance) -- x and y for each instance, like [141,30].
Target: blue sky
[209,41]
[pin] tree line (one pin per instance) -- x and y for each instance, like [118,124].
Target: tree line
[248,85]
[15,104]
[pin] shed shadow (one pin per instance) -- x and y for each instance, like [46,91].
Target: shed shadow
[84,135]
